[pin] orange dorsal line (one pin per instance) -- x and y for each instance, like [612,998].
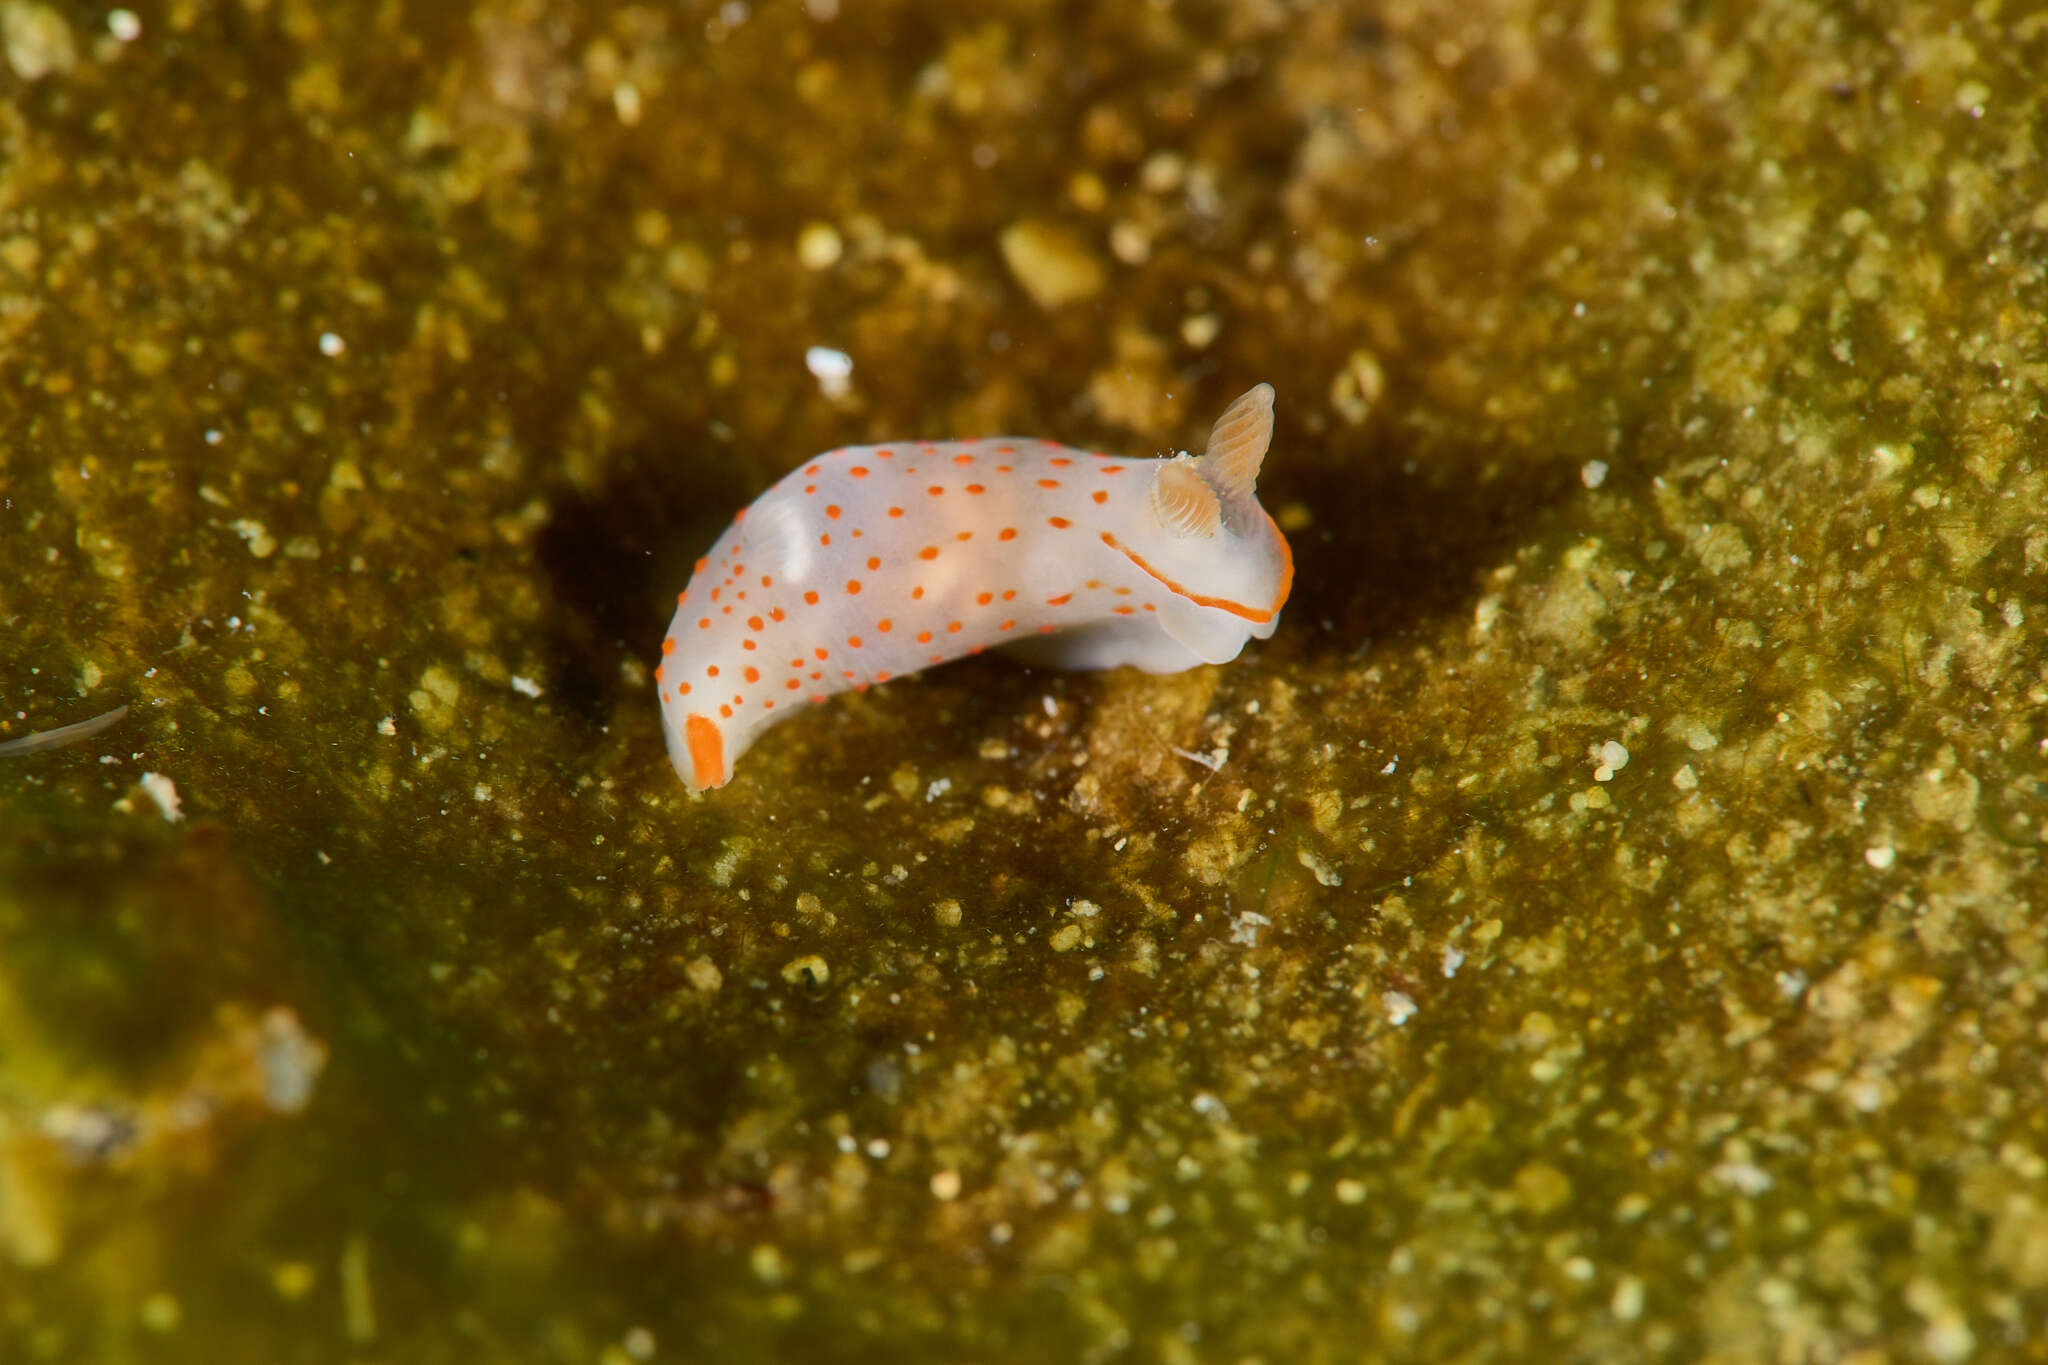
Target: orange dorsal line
[707,751]
[1252,614]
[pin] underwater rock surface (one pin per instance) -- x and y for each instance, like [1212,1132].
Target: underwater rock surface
[1603,922]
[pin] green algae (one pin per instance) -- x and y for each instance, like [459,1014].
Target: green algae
[1602,922]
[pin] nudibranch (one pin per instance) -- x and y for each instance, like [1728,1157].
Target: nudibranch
[872,562]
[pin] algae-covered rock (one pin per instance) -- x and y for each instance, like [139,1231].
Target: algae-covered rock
[1600,923]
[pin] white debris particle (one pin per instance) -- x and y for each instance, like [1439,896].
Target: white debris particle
[2012,613]
[1745,1176]
[1792,984]
[1209,1107]
[1593,473]
[525,687]
[164,792]
[481,791]
[1627,1303]
[832,369]
[824,11]
[1051,707]
[261,543]
[1453,959]
[1324,873]
[1685,779]
[1400,1009]
[1213,760]
[292,1060]
[638,1343]
[332,344]
[1880,856]
[1245,928]
[1083,908]
[1609,758]
[937,788]
[124,25]
[387,727]
[1392,764]
[946,1185]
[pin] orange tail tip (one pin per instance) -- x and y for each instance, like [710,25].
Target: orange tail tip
[707,752]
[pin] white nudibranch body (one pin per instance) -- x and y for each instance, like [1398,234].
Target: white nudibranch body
[873,562]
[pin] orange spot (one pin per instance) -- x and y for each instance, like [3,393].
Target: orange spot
[859,471]
[1092,584]
[1007,625]
[816,676]
[1059,601]
[983,599]
[752,674]
[952,628]
[1058,523]
[1006,450]
[965,535]
[976,488]
[1109,469]
[703,623]
[1046,630]
[714,592]
[853,587]
[935,490]
[725,610]
[924,637]
[1150,607]
[881,677]
[659,671]
[725,711]
[707,751]
[1059,462]
[766,581]
[849,673]
[682,689]
[683,598]
[936,659]
[778,614]
[895,511]
[1100,495]
[794,684]
[1010,595]
[746,644]
[702,565]
[885,625]
[796,663]
[711,670]
[963,459]
[811,599]
[917,593]
[853,642]
[819,651]
[810,488]
[873,563]
[886,454]
[668,646]
[1048,483]
[812,472]
[825,539]
[1007,533]
[755,623]
[832,511]
[1002,469]
[817,696]
[1125,611]
[928,552]
[767,704]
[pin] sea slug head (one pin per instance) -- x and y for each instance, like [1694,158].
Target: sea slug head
[1208,539]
